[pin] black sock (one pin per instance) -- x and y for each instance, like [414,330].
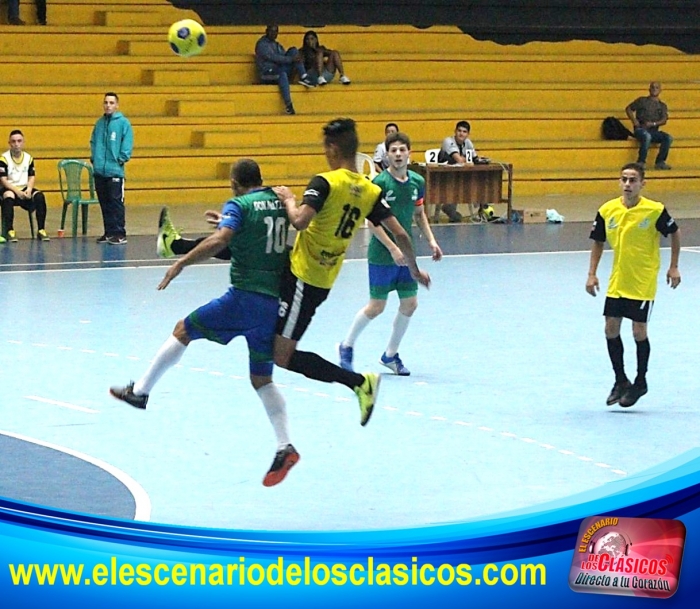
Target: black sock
[643,351]
[184,246]
[616,352]
[315,367]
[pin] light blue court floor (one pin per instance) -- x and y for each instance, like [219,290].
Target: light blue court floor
[505,407]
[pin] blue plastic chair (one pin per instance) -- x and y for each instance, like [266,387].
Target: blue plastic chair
[70,178]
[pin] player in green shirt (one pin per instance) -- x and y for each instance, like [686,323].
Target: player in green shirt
[254,227]
[404,191]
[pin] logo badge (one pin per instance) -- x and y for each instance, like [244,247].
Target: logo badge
[628,556]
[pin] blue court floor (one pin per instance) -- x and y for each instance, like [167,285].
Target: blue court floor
[505,407]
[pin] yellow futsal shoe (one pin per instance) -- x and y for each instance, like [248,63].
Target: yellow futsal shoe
[167,233]
[367,395]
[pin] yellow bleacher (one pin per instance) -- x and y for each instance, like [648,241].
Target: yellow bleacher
[537,105]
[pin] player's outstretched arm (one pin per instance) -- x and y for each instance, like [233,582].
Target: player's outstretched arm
[212,245]
[385,240]
[405,245]
[299,216]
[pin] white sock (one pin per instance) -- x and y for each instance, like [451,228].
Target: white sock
[276,410]
[168,355]
[359,323]
[401,322]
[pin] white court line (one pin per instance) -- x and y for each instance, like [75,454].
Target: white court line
[411,413]
[141,498]
[120,265]
[143,264]
[61,404]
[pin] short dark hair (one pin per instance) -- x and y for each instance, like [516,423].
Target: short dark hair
[16,132]
[638,167]
[112,94]
[398,137]
[391,125]
[342,133]
[246,172]
[464,124]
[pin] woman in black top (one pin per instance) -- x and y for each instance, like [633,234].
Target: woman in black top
[320,62]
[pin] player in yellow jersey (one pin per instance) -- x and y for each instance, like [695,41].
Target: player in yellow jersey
[632,225]
[334,206]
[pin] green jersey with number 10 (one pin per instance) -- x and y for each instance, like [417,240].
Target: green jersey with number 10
[259,250]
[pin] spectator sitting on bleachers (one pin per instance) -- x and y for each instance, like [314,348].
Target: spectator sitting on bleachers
[453,150]
[275,65]
[381,160]
[647,115]
[320,62]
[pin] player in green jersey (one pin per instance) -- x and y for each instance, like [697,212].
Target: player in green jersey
[404,191]
[254,228]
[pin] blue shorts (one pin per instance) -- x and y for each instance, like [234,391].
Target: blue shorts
[384,278]
[239,313]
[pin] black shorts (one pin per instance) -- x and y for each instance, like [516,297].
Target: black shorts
[636,310]
[298,303]
[29,205]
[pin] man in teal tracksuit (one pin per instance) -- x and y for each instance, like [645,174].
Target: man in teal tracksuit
[111,143]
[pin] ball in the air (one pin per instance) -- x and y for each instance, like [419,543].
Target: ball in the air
[187,38]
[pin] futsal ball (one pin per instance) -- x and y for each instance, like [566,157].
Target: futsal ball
[187,38]
[487,212]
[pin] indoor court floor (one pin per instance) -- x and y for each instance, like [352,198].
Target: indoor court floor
[504,409]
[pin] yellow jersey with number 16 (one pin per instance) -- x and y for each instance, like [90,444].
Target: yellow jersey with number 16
[319,250]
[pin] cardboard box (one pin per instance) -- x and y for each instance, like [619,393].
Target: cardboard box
[532,216]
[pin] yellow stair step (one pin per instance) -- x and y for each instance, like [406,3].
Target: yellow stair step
[227,139]
[182,78]
[132,18]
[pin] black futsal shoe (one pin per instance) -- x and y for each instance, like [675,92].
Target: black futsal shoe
[285,460]
[632,394]
[617,392]
[126,394]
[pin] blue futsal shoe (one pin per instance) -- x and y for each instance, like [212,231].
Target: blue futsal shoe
[394,364]
[345,355]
